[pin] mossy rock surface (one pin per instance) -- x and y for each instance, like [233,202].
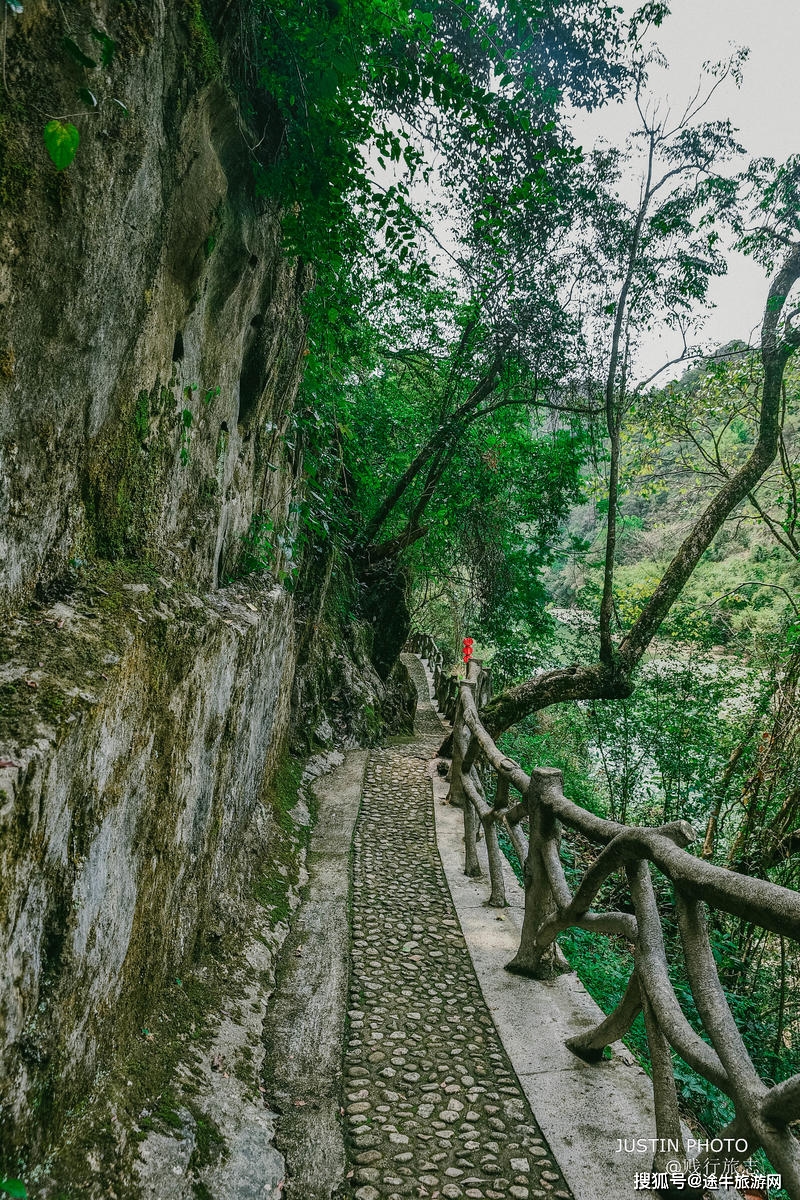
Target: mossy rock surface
[144,725]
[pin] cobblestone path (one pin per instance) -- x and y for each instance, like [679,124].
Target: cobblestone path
[432,1105]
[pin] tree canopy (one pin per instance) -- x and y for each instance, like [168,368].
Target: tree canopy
[483,286]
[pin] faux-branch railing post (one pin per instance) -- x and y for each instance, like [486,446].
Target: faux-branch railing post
[763,1113]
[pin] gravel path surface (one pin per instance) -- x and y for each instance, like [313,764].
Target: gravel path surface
[431,1104]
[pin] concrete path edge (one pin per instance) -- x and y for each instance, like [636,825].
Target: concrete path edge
[306,1021]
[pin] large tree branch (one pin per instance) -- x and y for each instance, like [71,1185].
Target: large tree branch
[395,545]
[597,682]
[775,528]
[439,438]
[775,353]
[611,680]
[614,403]
[435,472]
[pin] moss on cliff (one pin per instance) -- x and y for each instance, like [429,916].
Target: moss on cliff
[16,169]
[111,654]
[60,652]
[272,887]
[124,481]
[204,53]
[161,1070]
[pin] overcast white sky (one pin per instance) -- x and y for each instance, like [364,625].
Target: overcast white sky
[766,110]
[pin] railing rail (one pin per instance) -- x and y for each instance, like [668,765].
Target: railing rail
[763,1113]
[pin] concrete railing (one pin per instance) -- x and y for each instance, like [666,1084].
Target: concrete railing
[482,780]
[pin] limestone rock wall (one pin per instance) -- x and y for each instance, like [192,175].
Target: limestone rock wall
[151,346]
[152,724]
[151,337]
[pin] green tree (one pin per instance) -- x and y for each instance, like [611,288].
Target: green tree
[362,94]
[356,86]
[668,250]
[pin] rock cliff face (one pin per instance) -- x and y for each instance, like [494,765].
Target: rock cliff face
[152,338]
[141,760]
[151,347]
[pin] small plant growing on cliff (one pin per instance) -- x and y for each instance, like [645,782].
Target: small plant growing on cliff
[258,553]
[61,137]
[14,1187]
[61,140]
[186,425]
[141,416]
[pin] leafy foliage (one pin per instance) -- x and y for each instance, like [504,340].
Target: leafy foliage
[61,137]
[363,86]
[14,1187]
[257,552]
[61,140]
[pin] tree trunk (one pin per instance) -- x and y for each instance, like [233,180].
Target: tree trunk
[610,678]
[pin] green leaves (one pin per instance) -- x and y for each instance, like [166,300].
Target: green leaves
[107,46]
[653,12]
[14,1187]
[107,49]
[61,138]
[74,50]
[398,77]
[61,141]
[257,551]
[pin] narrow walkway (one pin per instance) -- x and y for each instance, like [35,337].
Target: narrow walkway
[432,1105]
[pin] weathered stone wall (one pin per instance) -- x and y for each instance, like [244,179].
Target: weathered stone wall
[152,724]
[151,346]
[151,338]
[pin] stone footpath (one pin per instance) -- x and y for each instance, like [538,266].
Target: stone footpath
[432,1105]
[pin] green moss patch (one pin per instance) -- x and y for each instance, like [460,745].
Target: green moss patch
[271,887]
[58,666]
[203,50]
[161,1072]
[123,487]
